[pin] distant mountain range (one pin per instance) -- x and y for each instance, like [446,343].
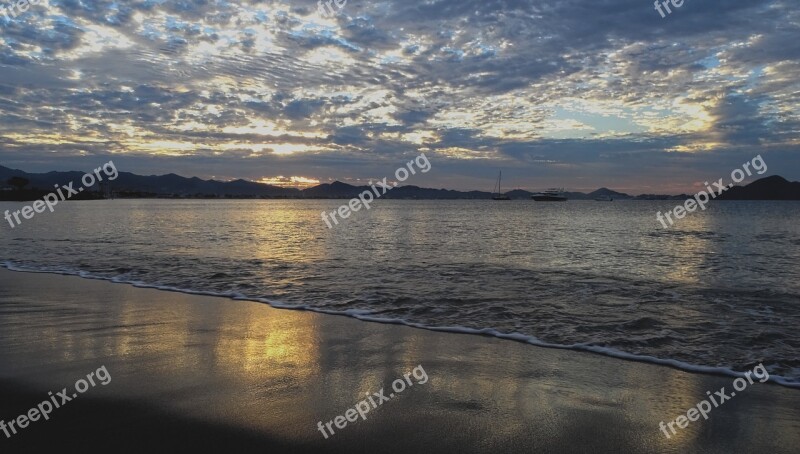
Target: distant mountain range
[129,185]
[769,188]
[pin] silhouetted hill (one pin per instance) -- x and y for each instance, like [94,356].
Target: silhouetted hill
[662,197]
[172,185]
[769,188]
[334,190]
[40,181]
[415,192]
[155,185]
[605,192]
[339,190]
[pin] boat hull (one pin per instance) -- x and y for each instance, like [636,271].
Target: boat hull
[548,198]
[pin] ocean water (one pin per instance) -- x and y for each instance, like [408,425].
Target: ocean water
[719,291]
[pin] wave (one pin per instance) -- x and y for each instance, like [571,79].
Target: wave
[368,316]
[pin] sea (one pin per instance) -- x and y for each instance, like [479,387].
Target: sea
[718,292]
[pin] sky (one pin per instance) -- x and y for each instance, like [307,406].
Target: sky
[569,93]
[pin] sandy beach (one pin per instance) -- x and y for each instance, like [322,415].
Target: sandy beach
[193,373]
[468,227]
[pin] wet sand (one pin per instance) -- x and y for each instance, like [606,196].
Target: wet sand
[197,373]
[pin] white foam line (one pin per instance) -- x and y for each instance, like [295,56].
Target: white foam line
[364,316]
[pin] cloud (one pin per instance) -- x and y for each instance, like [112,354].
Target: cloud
[575,92]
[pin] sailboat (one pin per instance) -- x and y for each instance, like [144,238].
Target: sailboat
[499,195]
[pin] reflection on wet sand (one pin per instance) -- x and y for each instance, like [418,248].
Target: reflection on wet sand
[279,372]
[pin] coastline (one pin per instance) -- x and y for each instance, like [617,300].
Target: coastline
[488,332]
[192,371]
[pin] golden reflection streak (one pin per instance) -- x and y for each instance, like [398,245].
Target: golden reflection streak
[684,267]
[271,347]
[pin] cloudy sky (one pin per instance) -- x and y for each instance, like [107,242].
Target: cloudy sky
[574,93]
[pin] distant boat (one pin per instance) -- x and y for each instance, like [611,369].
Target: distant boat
[550,195]
[604,198]
[499,195]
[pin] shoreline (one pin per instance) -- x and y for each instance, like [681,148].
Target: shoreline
[483,332]
[191,371]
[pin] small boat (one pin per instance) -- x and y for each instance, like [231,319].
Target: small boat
[603,198]
[499,195]
[550,195]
